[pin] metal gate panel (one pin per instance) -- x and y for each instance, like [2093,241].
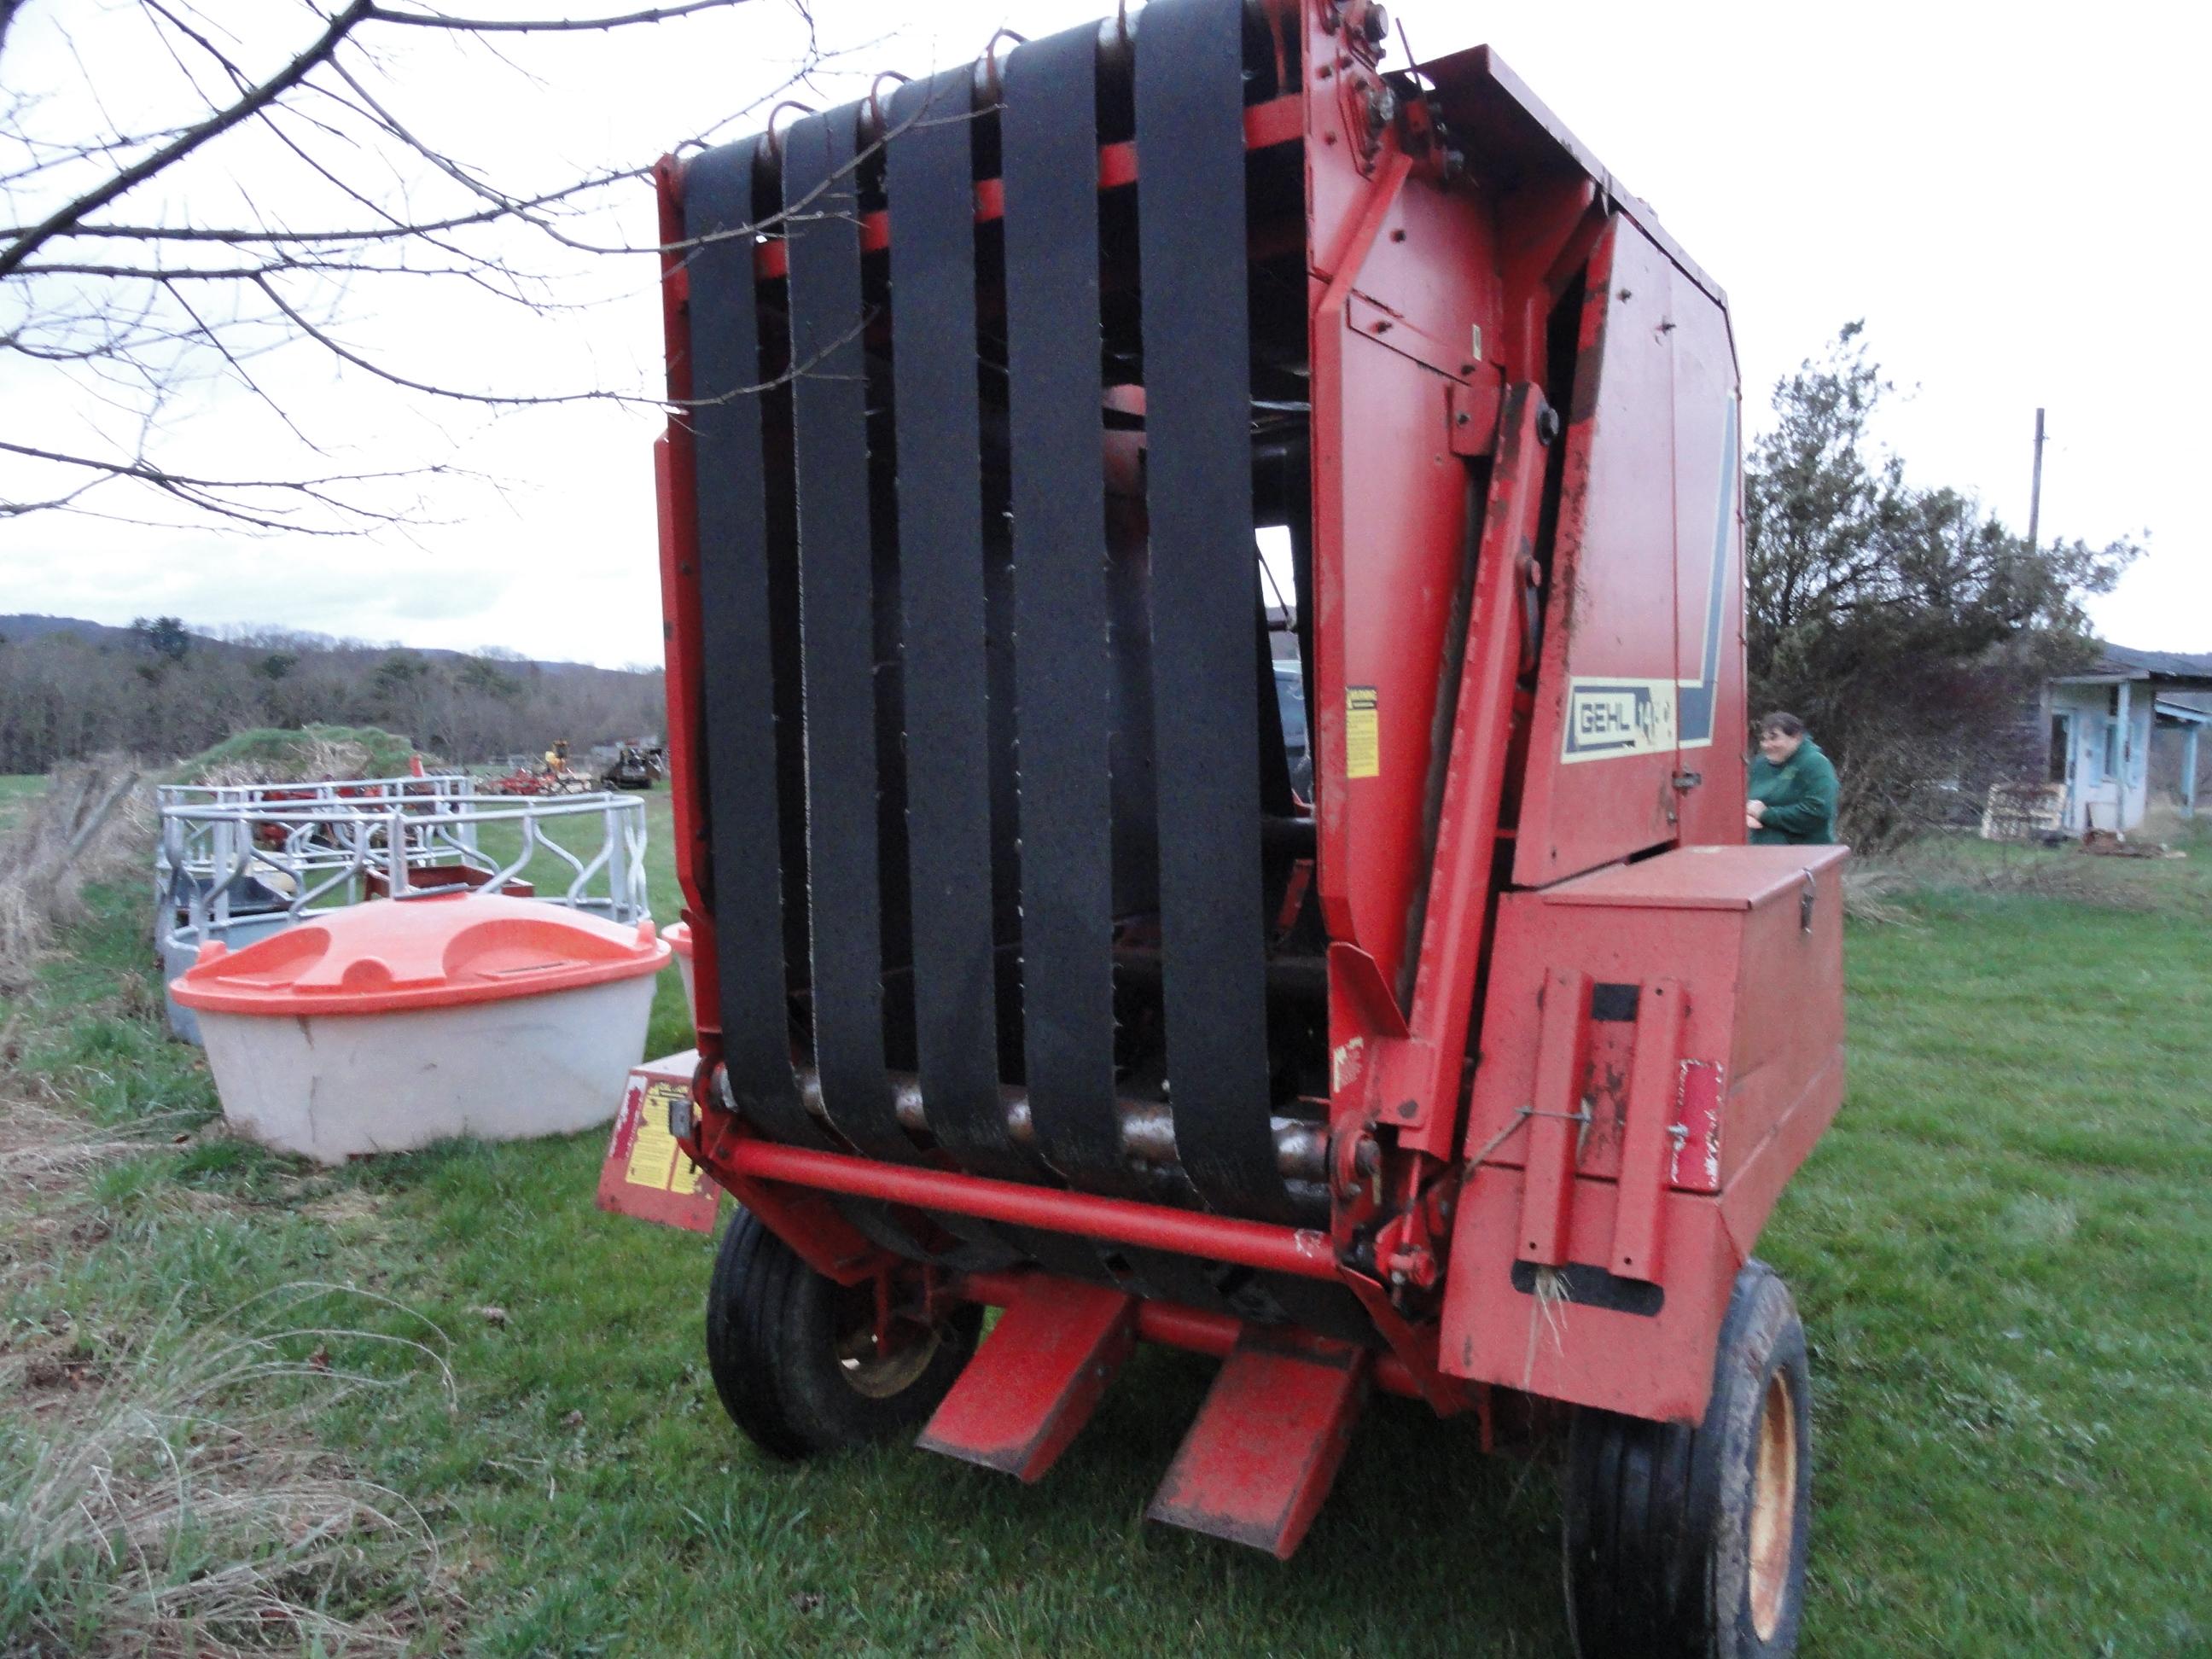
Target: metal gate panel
[1191,222]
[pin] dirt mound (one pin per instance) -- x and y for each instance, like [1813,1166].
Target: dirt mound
[307,754]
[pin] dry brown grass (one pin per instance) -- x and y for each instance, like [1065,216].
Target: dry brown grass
[2162,821]
[162,1487]
[1874,888]
[94,822]
[172,1500]
[42,1149]
[1871,890]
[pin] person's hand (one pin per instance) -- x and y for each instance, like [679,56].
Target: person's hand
[1751,821]
[1753,811]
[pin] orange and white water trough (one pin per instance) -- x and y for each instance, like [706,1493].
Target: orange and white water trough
[399,1022]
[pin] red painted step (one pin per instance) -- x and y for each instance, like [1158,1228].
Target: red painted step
[1033,1384]
[1261,1457]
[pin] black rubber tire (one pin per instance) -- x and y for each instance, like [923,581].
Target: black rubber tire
[772,1325]
[1658,1533]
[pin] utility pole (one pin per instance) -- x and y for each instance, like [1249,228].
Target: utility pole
[2035,491]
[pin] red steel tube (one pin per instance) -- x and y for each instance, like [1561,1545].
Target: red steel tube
[1171,1325]
[1298,1251]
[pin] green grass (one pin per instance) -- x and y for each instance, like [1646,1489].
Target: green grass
[17,791]
[2002,1252]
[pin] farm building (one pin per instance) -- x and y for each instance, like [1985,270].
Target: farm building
[2102,724]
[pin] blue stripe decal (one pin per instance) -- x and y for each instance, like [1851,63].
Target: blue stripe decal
[1694,704]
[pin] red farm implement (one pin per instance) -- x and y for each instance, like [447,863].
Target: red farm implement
[1469,1072]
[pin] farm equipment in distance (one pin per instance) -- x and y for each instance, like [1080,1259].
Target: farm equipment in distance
[550,776]
[1024,977]
[634,766]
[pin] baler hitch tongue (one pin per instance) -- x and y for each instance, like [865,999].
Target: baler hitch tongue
[1131,754]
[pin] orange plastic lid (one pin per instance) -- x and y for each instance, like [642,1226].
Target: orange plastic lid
[436,952]
[679,939]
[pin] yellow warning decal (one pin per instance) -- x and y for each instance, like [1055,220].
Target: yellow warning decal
[655,1159]
[1363,738]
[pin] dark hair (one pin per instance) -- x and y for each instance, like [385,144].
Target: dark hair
[1788,725]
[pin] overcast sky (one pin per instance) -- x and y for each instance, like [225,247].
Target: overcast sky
[2007,196]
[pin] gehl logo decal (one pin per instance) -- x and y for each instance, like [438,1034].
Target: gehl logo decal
[1609,716]
[1619,717]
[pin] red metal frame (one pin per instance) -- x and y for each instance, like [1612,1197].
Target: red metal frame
[1296,1251]
[1440,411]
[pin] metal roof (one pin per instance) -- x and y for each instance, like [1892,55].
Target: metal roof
[2155,665]
[2174,668]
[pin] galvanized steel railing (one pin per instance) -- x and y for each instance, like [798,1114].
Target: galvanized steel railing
[232,855]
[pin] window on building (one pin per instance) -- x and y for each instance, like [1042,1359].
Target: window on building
[2112,749]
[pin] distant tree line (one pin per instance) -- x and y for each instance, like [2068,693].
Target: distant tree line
[1910,629]
[159,688]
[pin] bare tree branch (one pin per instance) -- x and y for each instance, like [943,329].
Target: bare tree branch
[545,25]
[183,145]
[133,326]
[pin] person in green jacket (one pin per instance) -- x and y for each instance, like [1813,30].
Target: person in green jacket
[1793,787]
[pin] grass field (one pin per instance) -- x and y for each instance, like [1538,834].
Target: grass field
[16,789]
[2002,1252]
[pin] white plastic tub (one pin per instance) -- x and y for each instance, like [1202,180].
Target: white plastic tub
[679,941]
[396,1024]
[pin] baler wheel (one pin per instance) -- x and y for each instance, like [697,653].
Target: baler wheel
[795,1357]
[1691,1541]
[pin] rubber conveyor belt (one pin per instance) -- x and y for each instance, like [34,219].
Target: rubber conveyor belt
[738,692]
[738,675]
[1191,227]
